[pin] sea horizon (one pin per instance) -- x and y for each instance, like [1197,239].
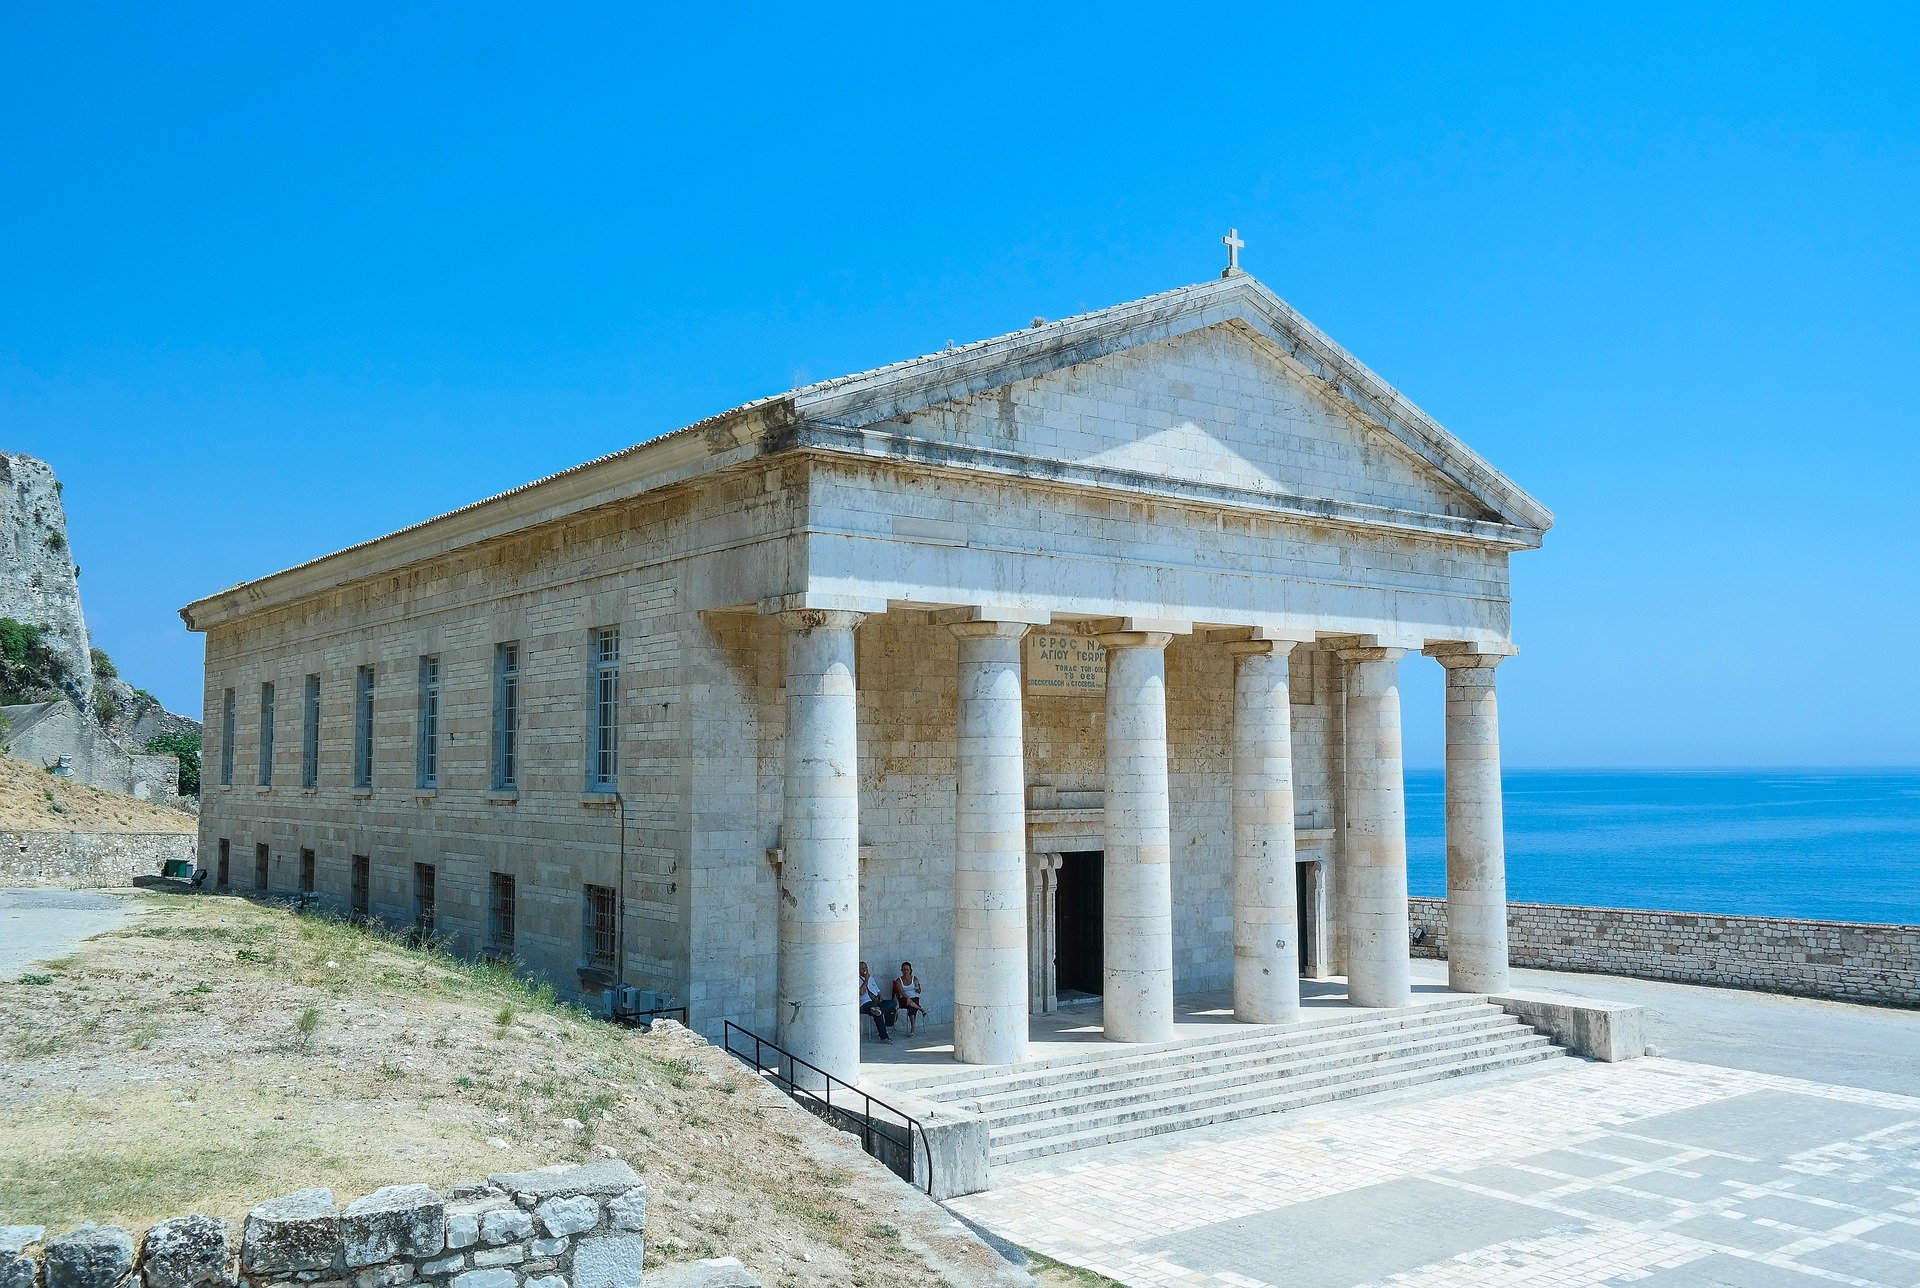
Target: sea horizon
[1818,842]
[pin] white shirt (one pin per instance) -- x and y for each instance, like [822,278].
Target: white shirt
[869,991]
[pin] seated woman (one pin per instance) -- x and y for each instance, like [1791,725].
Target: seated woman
[906,994]
[875,1003]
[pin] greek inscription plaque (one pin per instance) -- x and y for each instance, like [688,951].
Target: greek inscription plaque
[1065,664]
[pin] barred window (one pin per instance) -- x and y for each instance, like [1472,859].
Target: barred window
[423,892]
[363,728]
[226,739]
[266,735]
[603,748]
[500,916]
[225,874]
[307,873]
[598,934]
[262,867]
[429,727]
[310,734]
[506,717]
[361,896]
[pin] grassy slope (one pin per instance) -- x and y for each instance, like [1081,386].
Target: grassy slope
[216,1052]
[32,800]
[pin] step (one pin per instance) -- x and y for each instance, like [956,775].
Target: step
[1251,1059]
[955,1084]
[1301,1073]
[1382,1080]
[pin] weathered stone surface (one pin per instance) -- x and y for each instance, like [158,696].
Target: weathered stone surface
[629,1210]
[397,1220]
[16,1269]
[188,1252]
[547,1247]
[715,1272]
[298,1231]
[463,1222]
[608,1261]
[547,1281]
[93,1256]
[505,1225]
[573,1214]
[511,1254]
[604,1178]
[444,1265]
[385,1276]
[486,1279]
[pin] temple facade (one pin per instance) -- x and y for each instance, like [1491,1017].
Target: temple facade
[1063,663]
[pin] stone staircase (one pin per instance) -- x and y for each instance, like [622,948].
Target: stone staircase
[1078,1102]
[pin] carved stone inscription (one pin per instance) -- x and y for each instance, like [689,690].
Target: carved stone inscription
[1065,664]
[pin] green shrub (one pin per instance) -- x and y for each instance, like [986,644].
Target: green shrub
[103,667]
[187,747]
[30,671]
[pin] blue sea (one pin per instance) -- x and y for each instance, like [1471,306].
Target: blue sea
[1838,845]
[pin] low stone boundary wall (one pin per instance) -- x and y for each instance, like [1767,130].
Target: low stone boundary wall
[558,1227]
[84,860]
[1841,960]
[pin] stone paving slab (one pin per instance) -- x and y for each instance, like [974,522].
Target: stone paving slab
[1656,1172]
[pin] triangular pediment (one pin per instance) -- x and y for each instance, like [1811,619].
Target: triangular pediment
[1221,385]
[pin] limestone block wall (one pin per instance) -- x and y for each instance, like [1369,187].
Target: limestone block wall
[1844,961]
[38,581]
[558,1227]
[86,860]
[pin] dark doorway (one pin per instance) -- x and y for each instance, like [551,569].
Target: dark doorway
[1079,925]
[1302,909]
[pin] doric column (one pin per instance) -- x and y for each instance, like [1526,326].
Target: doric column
[1043,932]
[1476,841]
[1374,884]
[990,851]
[1137,879]
[819,969]
[1266,922]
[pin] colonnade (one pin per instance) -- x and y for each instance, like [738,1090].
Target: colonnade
[819,909]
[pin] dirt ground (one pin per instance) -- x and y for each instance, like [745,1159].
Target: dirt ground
[215,1052]
[32,800]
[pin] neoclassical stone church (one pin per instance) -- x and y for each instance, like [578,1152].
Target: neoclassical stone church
[1062,663]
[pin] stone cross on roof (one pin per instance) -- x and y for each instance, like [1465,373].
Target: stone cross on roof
[1233,244]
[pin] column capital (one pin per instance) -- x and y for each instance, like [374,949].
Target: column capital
[811,619]
[1371,653]
[989,613]
[1452,653]
[1134,639]
[989,629]
[1262,648]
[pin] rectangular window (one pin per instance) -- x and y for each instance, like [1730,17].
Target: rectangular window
[266,735]
[506,717]
[597,935]
[361,894]
[423,898]
[429,726]
[603,748]
[226,862]
[261,867]
[307,873]
[363,728]
[500,917]
[226,739]
[310,734]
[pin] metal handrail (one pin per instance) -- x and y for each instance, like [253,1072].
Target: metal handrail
[869,1126]
[643,1019]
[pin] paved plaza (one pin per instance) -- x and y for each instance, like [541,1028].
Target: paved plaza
[39,925]
[1659,1172]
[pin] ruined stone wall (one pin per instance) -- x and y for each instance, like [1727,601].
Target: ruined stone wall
[558,1227]
[88,860]
[1844,961]
[39,584]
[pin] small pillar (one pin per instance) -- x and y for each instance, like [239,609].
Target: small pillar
[990,850]
[1374,881]
[818,1011]
[1476,835]
[1266,920]
[1137,879]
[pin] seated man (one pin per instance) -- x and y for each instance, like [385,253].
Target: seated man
[873,1002]
[906,995]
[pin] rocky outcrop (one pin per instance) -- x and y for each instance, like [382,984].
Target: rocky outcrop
[40,584]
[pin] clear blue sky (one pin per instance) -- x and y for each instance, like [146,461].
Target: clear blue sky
[277,280]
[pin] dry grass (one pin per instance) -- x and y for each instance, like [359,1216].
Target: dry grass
[32,800]
[215,1053]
